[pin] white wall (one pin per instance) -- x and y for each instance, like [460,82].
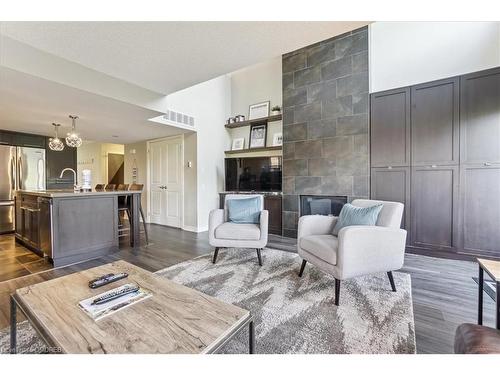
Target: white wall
[139,161]
[407,53]
[94,156]
[255,84]
[210,104]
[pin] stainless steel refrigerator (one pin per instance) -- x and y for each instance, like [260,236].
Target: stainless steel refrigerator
[21,168]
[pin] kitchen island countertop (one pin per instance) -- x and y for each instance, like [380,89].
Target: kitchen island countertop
[71,193]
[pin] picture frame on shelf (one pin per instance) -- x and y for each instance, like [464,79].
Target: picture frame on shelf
[238,144]
[258,135]
[278,139]
[259,110]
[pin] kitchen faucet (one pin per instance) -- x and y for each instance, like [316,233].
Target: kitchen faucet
[76,187]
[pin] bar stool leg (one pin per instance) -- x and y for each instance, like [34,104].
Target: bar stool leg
[144,225]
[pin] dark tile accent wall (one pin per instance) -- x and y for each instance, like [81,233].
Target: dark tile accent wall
[325,122]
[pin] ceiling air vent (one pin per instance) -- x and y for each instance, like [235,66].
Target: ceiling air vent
[179,118]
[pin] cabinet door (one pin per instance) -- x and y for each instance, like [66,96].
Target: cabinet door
[56,161]
[273,205]
[435,123]
[5,138]
[480,117]
[392,184]
[29,140]
[480,210]
[434,198]
[390,128]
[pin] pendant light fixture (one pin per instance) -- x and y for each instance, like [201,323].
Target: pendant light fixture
[56,144]
[72,138]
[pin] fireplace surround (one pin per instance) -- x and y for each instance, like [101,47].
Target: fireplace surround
[321,204]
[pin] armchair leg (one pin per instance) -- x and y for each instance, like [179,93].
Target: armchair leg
[260,257]
[337,291]
[302,267]
[391,280]
[216,252]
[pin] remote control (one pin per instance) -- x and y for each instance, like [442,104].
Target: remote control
[115,294]
[106,279]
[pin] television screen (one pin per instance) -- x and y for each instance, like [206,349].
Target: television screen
[253,174]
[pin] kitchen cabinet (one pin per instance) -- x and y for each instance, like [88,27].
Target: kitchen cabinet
[56,162]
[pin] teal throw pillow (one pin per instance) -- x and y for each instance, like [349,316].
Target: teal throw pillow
[244,210]
[353,215]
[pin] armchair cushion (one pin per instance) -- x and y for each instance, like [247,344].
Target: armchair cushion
[236,231]
[322,246]
[245,210]
[352,215]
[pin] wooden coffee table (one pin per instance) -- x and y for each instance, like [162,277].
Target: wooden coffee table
[176,319]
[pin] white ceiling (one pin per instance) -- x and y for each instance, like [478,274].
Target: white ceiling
[30,104]
[169,56]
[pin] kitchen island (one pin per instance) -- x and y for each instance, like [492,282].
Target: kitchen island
[71,227]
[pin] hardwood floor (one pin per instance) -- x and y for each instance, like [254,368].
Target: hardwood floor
[444,294]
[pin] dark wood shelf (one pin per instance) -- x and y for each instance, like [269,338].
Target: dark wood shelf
[256,149]
[257,121]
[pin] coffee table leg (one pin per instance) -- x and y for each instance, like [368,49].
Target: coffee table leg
[480,297]
[498,305]
[251,337]
[13,326]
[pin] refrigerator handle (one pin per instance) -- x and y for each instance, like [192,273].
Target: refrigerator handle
[20,169]
[13,182]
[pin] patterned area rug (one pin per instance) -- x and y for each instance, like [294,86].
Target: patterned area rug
[292,314]
[298,315]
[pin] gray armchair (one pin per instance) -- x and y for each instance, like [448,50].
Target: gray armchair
[223,233]
[357,250]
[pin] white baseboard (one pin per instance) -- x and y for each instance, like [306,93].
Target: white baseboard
[190,228]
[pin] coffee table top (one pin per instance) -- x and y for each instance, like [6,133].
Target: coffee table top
[176,319]
[492,268]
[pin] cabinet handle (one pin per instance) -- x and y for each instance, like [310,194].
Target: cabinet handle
[389,167]
[433,166]
[487,164]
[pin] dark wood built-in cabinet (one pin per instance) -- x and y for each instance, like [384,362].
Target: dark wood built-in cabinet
[434,197]
[436,148]
[393,184]
[390,128]
[434,123]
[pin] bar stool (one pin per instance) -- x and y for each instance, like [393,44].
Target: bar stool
[122,207]
[139,187]
[99,187]
[110,187]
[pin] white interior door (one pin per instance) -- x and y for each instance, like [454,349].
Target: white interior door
[166,182]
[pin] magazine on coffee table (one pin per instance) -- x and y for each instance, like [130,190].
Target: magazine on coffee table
[98,312]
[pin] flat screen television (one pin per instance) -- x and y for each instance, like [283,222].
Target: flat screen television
[253,174]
